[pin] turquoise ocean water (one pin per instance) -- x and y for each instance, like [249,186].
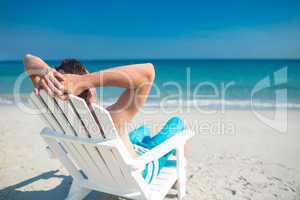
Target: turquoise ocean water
[186,82]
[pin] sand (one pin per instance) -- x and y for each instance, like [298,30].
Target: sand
[250,161]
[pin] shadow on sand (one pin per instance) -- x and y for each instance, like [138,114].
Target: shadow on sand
[15,192]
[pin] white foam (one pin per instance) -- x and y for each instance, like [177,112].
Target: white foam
[218,103]
[4,101]
[201,103]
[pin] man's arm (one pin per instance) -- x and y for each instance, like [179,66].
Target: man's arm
[42,76]
[136,79]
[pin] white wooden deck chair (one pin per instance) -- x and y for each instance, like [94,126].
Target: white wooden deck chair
[95,156]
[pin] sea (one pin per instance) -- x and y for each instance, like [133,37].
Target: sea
[205,83]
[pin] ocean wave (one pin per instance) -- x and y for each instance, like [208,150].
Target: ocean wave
[200,103]
[4,101]
[8,99]
[219,103]
[197,103]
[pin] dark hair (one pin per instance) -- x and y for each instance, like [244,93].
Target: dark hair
[73,66]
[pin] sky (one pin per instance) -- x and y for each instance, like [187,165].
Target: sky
[117,29]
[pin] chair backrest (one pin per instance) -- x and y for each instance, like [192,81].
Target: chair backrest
[104,165]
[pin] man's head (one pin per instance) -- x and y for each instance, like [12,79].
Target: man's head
[73,66]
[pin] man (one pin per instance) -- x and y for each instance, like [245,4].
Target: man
[137,81]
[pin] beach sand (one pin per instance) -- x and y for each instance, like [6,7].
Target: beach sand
[250,160]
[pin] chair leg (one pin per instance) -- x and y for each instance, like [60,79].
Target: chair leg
[181,163]
[76,192]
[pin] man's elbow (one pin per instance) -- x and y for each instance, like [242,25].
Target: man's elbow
[27,58]
[150,72]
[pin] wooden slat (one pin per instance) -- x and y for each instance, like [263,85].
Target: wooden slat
[48,116]
[120,153]
[124,159]
[125,170]
[86,116]
[113,165]
[64,159]
[77,151]
[99,174]
[56,112]
[38,111]
[107,123]
[45,113]
[94,130]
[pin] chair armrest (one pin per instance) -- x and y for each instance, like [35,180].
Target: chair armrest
[48,133]
[162,149]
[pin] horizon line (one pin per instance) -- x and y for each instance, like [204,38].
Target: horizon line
[116,59]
